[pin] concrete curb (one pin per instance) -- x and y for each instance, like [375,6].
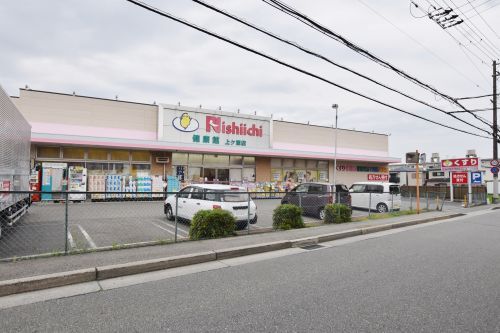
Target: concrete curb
[143,266]
[252,249]
[34,283]
[22,285]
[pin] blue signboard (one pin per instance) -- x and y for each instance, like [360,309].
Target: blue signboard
[476,177]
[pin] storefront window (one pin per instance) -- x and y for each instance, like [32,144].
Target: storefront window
[48,152]
[275,162]
[249,174]
[194,174]
[288,163]
[119,168]
[97,168]
[236,160]
[276,175]
[216,160]
[119,155]
[323,165]
[97,154]
[249,160]
[235,175]
[301,164]
[141,169]
[74,153]
[140,156]
[179,158]
[195,159]
[311,164]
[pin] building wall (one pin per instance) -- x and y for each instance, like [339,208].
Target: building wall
[262,169]
[159,168]
[303,135]
[75,115]
[350,177]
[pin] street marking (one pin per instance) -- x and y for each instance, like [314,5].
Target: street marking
[182,231]
[167,230]
[87,237]
[71,240]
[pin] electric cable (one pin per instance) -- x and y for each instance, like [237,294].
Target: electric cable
[278,61]
[328,60]
[482,19]
[324,30]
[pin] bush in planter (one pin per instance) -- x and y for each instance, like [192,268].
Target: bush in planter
[287,217]
[337,213]
[212,224]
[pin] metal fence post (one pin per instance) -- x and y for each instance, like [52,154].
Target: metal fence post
[176,209]
[66,224]
[427,198]
[300,200]
[248,213]
[370,205]
[392,202]
[411,202]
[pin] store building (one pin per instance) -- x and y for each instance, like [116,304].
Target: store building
[133,140]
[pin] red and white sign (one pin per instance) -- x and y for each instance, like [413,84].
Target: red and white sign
[380,178]
[459,178]
[460,164]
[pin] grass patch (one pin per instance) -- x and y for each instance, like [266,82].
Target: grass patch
[393,214]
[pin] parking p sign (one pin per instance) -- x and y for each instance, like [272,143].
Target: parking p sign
[476,178]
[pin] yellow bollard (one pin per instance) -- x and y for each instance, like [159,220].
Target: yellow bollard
[465,201]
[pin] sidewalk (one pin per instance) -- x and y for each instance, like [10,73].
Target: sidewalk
[35,267]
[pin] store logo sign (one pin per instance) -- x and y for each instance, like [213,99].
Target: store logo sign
[185,123]
[218,125]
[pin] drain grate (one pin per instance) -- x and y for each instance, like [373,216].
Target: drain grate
[311,247]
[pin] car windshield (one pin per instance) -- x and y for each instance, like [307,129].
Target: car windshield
[226,195]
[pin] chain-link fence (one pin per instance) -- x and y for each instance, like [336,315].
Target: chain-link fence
[69,222]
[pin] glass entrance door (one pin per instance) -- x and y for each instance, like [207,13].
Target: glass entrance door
[223,175]
[209,174]
[220,175]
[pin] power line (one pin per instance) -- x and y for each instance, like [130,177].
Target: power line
[317,55]
[474,97]
[416,41]
[324,30]
[239,45]
[474,110]
[482,19]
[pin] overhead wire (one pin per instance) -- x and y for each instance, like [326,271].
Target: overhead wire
[482,19]
[285,64]
[324,30]
[419,43]
[324,58]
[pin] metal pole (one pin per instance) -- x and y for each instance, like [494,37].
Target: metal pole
[66,224]
[176,208]
[495,131]
[370,205]
[418,185]
[451,187]
[248,214]
[469,187]
[336,107]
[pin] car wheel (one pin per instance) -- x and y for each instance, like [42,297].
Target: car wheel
[169,213]
[254,220]
[382,208]
[321,213]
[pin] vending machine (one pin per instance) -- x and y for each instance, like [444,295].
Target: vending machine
[54,179]
[77,182]
[35,177]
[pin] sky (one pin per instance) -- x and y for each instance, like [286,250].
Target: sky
[109,48]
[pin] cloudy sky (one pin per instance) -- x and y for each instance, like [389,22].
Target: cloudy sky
[105,48]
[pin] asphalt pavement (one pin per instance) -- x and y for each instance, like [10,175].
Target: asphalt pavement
[437,277]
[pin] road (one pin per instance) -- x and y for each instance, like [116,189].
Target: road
[439,277]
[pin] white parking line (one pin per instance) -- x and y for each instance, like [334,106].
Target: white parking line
[87,237]
[182,231]
[71,240]
[169,231]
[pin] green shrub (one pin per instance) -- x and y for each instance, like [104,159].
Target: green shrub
[337,213]
[287,217]
[212,224]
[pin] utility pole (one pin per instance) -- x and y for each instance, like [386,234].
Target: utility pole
[495,131]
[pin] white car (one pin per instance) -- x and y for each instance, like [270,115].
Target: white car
[197,197]
[382,197]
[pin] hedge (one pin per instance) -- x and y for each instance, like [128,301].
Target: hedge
[337,213]
[212,224]
[287,217]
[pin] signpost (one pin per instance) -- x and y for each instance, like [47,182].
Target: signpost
[463,166]
[476,178]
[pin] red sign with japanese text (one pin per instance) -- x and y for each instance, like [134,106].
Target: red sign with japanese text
[380,178]
[460,164]
[459,178]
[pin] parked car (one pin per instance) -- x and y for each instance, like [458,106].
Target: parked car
[314,196]
[193,198]
[378,196]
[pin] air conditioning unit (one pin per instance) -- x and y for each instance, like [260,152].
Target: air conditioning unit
[162,159]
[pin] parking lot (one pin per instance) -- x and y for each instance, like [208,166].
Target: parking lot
[93,225]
